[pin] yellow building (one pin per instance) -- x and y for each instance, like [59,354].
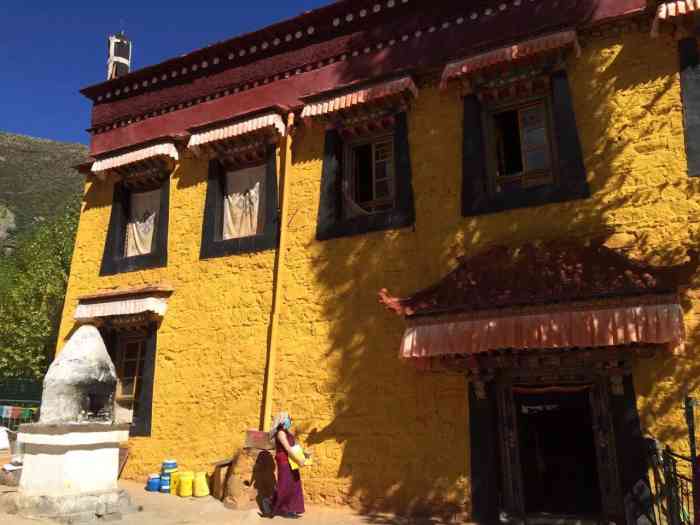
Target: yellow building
[521,173]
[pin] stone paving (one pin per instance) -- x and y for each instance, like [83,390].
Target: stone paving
[161,509]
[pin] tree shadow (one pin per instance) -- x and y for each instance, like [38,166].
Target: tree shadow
[390,438]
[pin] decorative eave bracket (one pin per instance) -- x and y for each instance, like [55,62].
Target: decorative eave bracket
[681,13]
[145,163]
[489,70]
[241,141]
[358,110]
[124,305]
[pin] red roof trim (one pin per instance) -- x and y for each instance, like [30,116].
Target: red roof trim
[312,26]
[425,37]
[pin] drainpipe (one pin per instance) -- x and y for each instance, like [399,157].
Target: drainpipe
[277,282]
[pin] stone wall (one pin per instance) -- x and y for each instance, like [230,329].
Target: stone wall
[385,435]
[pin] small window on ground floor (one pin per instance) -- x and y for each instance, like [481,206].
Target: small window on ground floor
[133,353]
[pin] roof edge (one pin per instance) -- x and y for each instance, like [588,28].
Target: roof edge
[320,13]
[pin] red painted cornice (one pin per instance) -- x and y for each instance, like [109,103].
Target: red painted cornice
[310,27]
[351,41]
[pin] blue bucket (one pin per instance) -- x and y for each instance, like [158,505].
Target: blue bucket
[169,466]
[165,483]
[153,484]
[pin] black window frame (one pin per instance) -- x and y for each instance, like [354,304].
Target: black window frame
[113,260]
[689,61]
[213,244]
[142,424]
[331,222]
[568,170]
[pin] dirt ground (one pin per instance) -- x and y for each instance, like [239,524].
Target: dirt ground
[163,509]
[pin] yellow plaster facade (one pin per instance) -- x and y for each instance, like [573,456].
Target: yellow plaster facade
[387,436]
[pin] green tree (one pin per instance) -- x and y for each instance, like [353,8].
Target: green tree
[32,290]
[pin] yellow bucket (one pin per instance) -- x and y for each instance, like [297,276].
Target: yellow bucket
[201,488]
[185,480]
[174,482]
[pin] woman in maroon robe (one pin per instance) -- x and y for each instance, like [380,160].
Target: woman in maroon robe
[288,499]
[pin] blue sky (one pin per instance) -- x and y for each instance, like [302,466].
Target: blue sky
[50,49]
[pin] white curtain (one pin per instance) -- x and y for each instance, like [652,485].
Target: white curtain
[244,203]
[143,210]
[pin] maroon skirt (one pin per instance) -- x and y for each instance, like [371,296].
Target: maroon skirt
[288,496]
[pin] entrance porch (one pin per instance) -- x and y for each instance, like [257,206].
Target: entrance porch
[547,336]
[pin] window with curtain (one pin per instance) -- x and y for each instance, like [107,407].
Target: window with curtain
[241,210]
[137,237]
[244,203]
[142,223]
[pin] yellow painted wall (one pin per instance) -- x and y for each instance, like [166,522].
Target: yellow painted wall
[387,436]
[212,342]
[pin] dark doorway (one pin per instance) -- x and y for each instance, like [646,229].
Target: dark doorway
[557,450]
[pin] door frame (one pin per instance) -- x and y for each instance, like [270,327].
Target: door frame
[603,429]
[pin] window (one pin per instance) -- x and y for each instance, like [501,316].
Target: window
[526,153]
[366,183]
[132,348]
[142,222]
[369,180]
[130,363]
[689,59]
[244,203]
[522,147]
[137,237]
[240,212]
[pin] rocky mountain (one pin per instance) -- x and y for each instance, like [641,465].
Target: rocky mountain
[36,181]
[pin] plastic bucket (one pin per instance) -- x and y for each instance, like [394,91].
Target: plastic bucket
[174,482]
[153,484]
[201,487]
[169,466]
[165,483]
[184,489]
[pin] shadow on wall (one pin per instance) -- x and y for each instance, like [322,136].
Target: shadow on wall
[97,195]
[403,435]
